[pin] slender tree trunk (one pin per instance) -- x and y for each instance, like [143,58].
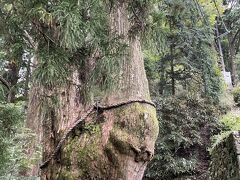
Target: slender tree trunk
[12,78]
[220,49]
[172,77]
[27,78]
[114,144]
[162,78]
[232,59]
[171,22]
[172,70]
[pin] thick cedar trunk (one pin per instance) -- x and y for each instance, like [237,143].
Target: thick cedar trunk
[114,144]
[33,123]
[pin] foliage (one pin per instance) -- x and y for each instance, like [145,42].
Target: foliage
[14,139]
[182,61]
[211,10]
[226,101]
[64,37]
[18,159]
[230,36]
[230,122]
[10,118]
[218,139]
[236,95]
[185,123]
[52,69]
[182,42]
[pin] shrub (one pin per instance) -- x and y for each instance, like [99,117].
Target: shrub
[230,122]
[14,138]
[10,117]
[236,95]
[226,101]
[185,127]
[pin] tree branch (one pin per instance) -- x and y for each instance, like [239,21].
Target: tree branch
[29,39]
[235,36]
[46,37]
[5,83]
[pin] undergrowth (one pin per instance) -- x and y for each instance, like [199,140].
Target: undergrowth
[231,122]
[14,139]
[186,125]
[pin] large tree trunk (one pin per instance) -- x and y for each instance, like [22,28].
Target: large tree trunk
[34,124]
[113,144]
[33,121]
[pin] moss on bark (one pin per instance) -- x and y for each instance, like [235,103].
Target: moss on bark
[130,140]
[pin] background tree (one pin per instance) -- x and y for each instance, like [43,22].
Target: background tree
[182,65]
[229,29]
[186,57]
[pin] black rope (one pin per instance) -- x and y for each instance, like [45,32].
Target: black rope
[112,106]
[95,107]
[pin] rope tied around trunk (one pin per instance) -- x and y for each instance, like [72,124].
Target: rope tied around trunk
[95,107]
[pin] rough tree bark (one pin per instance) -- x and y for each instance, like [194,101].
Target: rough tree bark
[33,123]
[113,144]
[33,119]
